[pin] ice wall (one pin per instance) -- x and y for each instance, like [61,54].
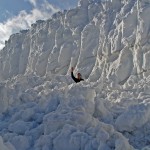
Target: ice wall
[93,32]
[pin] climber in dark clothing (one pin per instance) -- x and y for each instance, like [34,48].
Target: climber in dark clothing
[79,77]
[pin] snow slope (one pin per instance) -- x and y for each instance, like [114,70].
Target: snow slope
[41,108]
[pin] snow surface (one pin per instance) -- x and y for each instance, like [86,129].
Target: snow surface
[41,108]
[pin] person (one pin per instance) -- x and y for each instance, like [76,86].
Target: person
[79,77]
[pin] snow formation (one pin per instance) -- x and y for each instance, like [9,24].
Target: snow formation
[41,108]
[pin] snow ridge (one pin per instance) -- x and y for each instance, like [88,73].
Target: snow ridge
[41,107]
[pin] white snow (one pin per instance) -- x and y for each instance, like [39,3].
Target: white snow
[41,108]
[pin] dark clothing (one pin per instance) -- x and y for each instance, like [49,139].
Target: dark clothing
[76,79]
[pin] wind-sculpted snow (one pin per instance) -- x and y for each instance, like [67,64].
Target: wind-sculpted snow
[79,37]
[42,108]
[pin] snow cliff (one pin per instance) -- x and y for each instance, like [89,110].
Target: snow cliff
[40,106]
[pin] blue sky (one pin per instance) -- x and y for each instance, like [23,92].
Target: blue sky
[20,14]
[10,8]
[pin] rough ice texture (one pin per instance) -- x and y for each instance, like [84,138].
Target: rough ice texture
[40,106]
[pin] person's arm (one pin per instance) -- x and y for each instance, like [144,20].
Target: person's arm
[81,79]
[72,75]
